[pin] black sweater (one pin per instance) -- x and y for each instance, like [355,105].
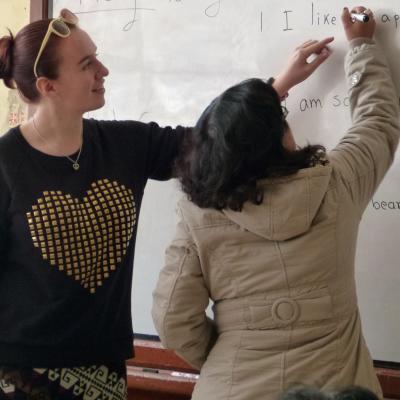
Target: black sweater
[67,241]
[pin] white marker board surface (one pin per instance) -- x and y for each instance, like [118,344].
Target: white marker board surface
[169,58]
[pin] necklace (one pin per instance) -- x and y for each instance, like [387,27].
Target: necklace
[75,163]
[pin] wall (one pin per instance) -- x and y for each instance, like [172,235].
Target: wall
[13,15]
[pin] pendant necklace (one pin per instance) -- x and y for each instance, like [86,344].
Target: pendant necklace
[75,163]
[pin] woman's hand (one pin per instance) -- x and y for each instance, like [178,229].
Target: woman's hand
[298,68]
[356,29]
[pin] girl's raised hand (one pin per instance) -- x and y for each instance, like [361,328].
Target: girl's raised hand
[299,67]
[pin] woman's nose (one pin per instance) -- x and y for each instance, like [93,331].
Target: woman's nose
[102,71]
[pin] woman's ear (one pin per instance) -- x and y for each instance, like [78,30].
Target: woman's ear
[44,86]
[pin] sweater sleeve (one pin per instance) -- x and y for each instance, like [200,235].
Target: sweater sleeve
[180,300]
[163,148]
[365,153]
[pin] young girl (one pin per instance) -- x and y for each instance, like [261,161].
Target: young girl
[269,234]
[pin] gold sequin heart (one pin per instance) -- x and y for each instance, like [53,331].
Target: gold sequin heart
[85,239]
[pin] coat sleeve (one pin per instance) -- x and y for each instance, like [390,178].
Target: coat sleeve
[180,300]
[365,153]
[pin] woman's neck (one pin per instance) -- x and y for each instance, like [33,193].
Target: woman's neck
[54,133]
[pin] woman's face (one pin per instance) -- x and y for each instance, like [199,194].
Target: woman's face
[80,84]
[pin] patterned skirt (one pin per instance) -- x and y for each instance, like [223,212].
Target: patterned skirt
[97,382]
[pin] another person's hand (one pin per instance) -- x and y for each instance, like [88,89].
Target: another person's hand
[357,29]
[299,67]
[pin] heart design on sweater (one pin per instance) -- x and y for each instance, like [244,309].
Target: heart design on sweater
[84,239]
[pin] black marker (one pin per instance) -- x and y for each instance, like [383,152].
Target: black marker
[359,17]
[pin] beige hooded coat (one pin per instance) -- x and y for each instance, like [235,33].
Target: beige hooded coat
[281,274]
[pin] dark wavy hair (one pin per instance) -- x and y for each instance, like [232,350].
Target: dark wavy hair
[236,142]
[300,392]
[356,393]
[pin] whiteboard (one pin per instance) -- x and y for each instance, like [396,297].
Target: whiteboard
[169,58]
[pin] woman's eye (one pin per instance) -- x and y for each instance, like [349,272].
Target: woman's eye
[89,62]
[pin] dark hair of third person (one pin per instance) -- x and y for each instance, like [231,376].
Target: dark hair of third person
[236,142]
[299,392]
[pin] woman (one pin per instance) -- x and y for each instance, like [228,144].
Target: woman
[269,232]
[70,196]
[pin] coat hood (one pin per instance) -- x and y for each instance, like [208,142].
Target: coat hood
[289,207]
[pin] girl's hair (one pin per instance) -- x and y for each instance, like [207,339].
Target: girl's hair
[18,55]
[300,392]
[236,142]
[356,393]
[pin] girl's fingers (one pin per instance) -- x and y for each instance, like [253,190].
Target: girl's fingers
[313,44]
[346,18]
[318,47]
[319,59]
[369,13]
[309,42]
[358,10]
[304,44]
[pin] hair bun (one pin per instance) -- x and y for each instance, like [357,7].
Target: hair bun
[6,55]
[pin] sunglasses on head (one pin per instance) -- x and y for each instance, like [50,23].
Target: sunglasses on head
[58,26]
